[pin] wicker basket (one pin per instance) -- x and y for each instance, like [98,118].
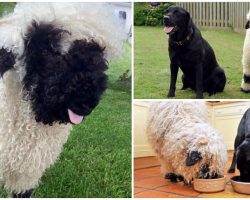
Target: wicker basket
[210,185]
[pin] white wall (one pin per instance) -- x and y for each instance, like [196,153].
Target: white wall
[226,118]
[126,7]
[141,145]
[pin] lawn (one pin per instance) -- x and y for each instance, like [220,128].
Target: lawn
[151,64]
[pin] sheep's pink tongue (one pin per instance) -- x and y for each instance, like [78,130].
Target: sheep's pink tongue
[74,118]
[168,29]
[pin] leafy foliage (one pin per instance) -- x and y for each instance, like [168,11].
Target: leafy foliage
[147,15]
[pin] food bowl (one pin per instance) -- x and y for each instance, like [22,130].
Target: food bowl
[210,185]
[240,187]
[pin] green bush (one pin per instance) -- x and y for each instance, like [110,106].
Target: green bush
[140,13]
[145,15]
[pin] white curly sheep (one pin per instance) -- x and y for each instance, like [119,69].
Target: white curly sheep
[186,145]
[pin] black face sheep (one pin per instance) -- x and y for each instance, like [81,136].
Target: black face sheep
[53,58]
[186,145]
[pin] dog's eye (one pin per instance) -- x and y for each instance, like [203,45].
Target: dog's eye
[175,11]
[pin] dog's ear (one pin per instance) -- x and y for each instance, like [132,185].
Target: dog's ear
[189,21]
[187,15]
[247,25]
[193,157]
[7,61]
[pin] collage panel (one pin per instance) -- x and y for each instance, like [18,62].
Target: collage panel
[95,99]
[190,149]
[65,99]
[191,50]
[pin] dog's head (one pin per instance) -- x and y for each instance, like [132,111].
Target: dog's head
[175,19]
[243,160]
[62,87]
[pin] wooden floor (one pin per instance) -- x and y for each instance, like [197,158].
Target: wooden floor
[148,183]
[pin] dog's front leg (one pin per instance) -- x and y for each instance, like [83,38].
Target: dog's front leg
[174,72]
[233,164]
[199,82]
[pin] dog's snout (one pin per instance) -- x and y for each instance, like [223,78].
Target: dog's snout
[166,18]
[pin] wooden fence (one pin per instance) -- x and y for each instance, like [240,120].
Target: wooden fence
[218,15]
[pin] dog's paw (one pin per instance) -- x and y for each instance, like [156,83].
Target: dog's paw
[171,94]
[199,96]
[231,170]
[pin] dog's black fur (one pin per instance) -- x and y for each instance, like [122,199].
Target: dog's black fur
[242,149]
[189,51]
[55,82]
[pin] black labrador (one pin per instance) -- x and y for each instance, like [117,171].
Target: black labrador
[189,51]
[242,149]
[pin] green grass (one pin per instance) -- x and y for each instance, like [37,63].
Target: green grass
[151,65]
[96,160]
[6,7]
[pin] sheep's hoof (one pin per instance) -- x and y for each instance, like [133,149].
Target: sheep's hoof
[172,176]
[246,91]
[26,194]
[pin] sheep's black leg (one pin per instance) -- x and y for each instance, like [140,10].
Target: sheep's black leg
[172,176]
[26,194]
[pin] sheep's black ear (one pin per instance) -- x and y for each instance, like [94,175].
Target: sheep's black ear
[42,40]
[7,60]
[247,25]
[193,157]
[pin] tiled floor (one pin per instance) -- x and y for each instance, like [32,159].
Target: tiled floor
[148,183]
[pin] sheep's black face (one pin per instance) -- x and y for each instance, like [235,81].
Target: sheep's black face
[62,87]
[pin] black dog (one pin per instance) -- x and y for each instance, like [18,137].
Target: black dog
[189,51]
[242,149]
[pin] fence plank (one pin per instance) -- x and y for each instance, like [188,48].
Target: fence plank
[218,14]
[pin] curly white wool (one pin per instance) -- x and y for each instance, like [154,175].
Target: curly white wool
[246,58]
[177,128]
[27,148]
